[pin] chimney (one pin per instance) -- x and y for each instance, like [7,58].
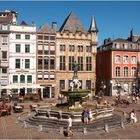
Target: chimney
[132,35]
[105,41]
[54,25]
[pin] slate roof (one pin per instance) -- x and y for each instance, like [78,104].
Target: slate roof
[93,26]
[44,29]
[121,40]
[72,24]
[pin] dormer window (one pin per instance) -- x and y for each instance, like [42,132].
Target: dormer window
[133,46]
[117,46]
[125,46]
[4,27]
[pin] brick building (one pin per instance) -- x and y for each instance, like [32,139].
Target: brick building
[46,60]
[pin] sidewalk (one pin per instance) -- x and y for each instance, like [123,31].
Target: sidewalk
[10,130]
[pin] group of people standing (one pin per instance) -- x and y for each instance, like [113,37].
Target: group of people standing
[86,116]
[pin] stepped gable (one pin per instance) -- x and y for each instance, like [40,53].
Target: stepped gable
[93,26]
[44,29]
[23,23]
[72,24]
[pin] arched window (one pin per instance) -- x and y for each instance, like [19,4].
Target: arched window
[125,59]
[117,71]
[133,72]
[22,78]
[125,71]
[117,59]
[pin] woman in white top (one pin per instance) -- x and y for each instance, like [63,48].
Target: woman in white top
[90,117]
[70,126]
[133,116]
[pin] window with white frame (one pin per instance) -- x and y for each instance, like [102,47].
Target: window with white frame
[17,63]
[4,55]
[22,78]
[117,59]
[133,71]
[4,70]
[4,40]
[27,63]
[18,36]
[27,37]
[133,60]
[29,78]
[17,48]
[46,75]
[39,75]
[52,76]
[117,46]
[125,59]
[125,71]
[117,71]
[15,78]
[4,27]
[125,46]
[27,48]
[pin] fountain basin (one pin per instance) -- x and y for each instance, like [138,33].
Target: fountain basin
[75,94]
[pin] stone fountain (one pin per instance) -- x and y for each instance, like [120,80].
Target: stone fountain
[75,95]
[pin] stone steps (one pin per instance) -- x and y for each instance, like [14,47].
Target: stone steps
[99,124]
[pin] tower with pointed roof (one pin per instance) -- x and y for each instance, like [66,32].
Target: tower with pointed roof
[76,43]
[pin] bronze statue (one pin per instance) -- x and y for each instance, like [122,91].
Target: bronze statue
[75,68]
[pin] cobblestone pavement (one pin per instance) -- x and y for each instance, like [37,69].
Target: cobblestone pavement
[9,129]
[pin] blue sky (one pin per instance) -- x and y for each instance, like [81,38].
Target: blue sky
[114,19]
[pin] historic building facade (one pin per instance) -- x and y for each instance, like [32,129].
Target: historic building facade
[22,57]
[75,43]
[117,65]
[7,18]
[46,60]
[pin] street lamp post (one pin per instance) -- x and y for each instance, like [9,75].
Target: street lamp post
[134,88]
[102,88]
[118,89]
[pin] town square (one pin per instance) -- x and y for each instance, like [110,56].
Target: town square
[69,70]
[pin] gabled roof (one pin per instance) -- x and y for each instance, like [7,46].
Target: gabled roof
[23,23]
[72,24]
[44,29]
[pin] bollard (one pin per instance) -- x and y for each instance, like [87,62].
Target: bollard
[25,124]
[17,119]
[40,128]
[60,113]
[48,111]
[61,130]
[85,130]
[106,127]
[122,124]
[29,114]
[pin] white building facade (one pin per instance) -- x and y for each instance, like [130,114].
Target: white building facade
[22,57]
